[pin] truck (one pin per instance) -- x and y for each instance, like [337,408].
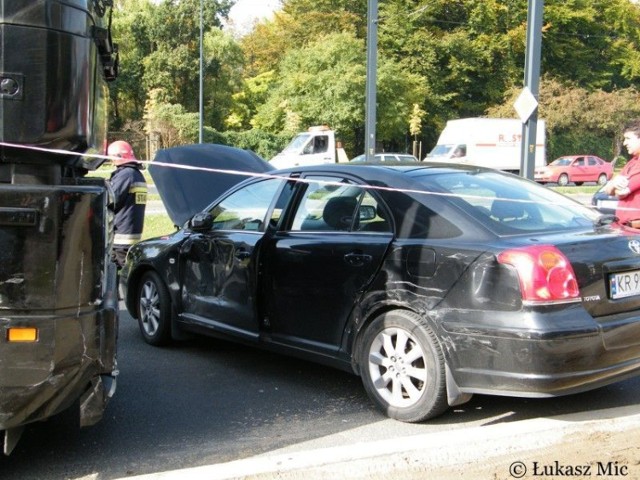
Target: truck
[58,297]
[315,146]
[486,142]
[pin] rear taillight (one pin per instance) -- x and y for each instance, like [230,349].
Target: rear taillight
[545,274]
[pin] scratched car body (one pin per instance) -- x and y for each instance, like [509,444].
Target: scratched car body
[431,282]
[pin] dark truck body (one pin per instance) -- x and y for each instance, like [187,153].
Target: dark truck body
[58,301]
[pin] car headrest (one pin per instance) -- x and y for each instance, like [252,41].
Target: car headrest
[338,212]
[506,209]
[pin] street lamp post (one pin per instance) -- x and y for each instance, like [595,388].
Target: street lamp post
[201,128]
[532,82]
[372,66]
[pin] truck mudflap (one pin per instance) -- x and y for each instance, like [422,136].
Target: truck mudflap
[58,304]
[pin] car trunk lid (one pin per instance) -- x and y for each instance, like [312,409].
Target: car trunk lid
[607,269]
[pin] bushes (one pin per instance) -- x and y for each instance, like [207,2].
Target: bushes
[264,144]
[574,142]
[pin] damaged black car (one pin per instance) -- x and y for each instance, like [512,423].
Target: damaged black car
[431,282]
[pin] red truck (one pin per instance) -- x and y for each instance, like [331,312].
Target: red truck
[58,300]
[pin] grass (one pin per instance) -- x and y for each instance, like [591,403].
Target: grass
[157,224]
[569,189]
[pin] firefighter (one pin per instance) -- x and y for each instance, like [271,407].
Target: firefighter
[130,190]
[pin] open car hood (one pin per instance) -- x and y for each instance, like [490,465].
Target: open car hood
[186,191]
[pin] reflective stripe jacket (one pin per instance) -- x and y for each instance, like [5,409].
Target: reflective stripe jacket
[130,191]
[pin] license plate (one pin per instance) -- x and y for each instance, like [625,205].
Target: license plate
[623,285]
[612,204]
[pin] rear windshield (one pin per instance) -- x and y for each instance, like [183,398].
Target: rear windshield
[508,204]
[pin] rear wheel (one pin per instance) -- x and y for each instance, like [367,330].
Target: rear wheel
[563,180]
[154,309]
[402,367]
[602,179]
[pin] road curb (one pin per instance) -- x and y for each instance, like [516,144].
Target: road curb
[434,450]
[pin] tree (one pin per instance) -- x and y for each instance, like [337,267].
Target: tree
[298,23]
[130,32]
[579,120]
[223,60]
[324,83]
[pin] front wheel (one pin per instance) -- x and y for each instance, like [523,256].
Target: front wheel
[602,179]
[402,367]
[154,309]
[563,180]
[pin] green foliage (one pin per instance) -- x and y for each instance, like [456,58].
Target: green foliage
[324,83]
[306,66]
[265,144]
[575,142]
[578,120]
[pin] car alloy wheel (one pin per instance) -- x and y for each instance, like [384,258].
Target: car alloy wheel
[154,306]
[563,180]
[602,179]
[402,367]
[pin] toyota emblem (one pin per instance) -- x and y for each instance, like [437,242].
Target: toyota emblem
[634,246]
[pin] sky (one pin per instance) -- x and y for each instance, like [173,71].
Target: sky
[245,12]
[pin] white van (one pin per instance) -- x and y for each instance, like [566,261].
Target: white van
[486,142]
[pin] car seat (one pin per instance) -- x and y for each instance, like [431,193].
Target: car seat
[339,213]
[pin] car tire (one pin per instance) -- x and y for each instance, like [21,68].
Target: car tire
[154,309]
[402,367]
[563,180]
[602,179]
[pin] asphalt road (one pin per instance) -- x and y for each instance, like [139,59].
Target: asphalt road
[206,401]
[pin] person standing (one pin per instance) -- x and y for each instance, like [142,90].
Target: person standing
[626,185]
[130,191]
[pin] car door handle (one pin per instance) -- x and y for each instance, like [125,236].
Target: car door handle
[357,259]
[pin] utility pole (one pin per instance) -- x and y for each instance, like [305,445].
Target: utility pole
[372,67]
[201,128]
[531,86]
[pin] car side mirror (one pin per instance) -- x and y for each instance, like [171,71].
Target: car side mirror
[201,222]
[366,212]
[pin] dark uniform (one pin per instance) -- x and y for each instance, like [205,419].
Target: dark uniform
[130,190]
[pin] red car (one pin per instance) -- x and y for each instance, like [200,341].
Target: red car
[575,168]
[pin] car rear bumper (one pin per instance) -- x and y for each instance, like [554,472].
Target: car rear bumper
[74,357]
[542,360]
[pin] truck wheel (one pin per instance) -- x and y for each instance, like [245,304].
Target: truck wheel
[154,309]
[402,367]
[602,179]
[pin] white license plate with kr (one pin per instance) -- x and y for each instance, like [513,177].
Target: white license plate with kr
[626,284]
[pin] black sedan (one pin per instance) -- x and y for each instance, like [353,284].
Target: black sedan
[432,282]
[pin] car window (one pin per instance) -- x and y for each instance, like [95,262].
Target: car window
[339,206]
[371,215]
[246,208]
[508,207]
[328,204]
